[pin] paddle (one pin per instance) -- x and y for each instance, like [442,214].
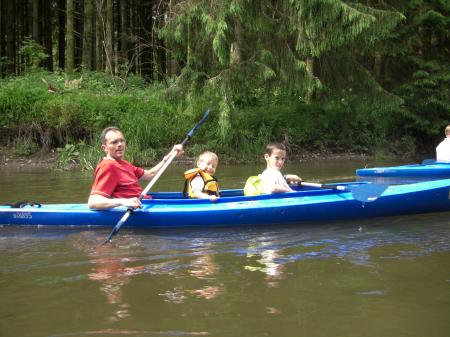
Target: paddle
[362,192]
[155,178]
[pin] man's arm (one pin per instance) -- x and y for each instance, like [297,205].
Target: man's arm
[97,201]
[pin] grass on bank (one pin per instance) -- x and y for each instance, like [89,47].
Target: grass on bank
[71,118]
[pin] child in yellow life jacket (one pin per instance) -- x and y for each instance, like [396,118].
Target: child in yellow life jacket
[200,182]
[271,180]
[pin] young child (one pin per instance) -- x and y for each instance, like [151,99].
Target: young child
[200,182]
[272,179]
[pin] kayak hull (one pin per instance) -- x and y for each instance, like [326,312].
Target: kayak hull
[434,170]
[169,209]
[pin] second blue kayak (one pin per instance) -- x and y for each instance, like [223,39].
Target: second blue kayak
[430,170]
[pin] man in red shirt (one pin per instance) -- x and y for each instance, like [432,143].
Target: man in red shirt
[116,181]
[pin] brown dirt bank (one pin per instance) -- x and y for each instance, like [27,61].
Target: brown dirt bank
[41,159]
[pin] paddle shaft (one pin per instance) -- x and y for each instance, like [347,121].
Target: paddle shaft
[334,187]
[155,178]
[363,192]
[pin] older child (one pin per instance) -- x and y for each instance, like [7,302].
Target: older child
[200,182]
[272,179]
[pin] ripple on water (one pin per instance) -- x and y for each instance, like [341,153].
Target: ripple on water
[128,332]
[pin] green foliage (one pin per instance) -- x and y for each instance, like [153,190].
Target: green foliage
[427,103]
[32,54]
[25,146]
[68,155]
[80,155]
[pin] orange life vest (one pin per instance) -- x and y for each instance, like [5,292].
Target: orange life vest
[210,187]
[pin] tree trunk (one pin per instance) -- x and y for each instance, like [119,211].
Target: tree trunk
[61,33]
[2,34]
[235,47]
[172,66]
[134,30]
[146,23]
[310,74]
[77,32]
[124,24]
[47,34]
[36,21]
[11,37]
[108,37]
[161,57]
[30,4]
[87,35]
[99,29]
[69,37]
[377,62]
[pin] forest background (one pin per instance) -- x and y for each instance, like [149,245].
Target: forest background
[322,76]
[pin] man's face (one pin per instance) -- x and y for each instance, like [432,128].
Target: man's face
[114,146]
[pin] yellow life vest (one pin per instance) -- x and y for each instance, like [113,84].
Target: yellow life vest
[210,187]
[253,186]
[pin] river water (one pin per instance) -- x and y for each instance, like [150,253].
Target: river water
[385,277]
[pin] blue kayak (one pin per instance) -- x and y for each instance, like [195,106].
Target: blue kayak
[306,204]
[428,169]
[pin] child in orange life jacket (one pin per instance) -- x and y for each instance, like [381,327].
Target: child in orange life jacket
[200,182]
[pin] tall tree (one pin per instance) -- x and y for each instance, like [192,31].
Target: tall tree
[36,21]
[47,33]
[2,34]
[144,38]
[61,9]
[108,40]
[11,49]
[78,32]
[70,41]
[124,31]
[88,35]
[99,34]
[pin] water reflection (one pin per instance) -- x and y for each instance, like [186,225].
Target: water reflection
[112,275]
[201,267]
[268,259]
[111,270]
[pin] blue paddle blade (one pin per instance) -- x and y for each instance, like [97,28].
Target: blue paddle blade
[367,192]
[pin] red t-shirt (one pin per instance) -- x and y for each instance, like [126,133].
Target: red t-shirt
[117,179]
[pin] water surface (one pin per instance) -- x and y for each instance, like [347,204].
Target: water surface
[378,277]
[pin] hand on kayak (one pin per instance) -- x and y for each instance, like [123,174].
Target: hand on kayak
[132,202]
[293,179]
